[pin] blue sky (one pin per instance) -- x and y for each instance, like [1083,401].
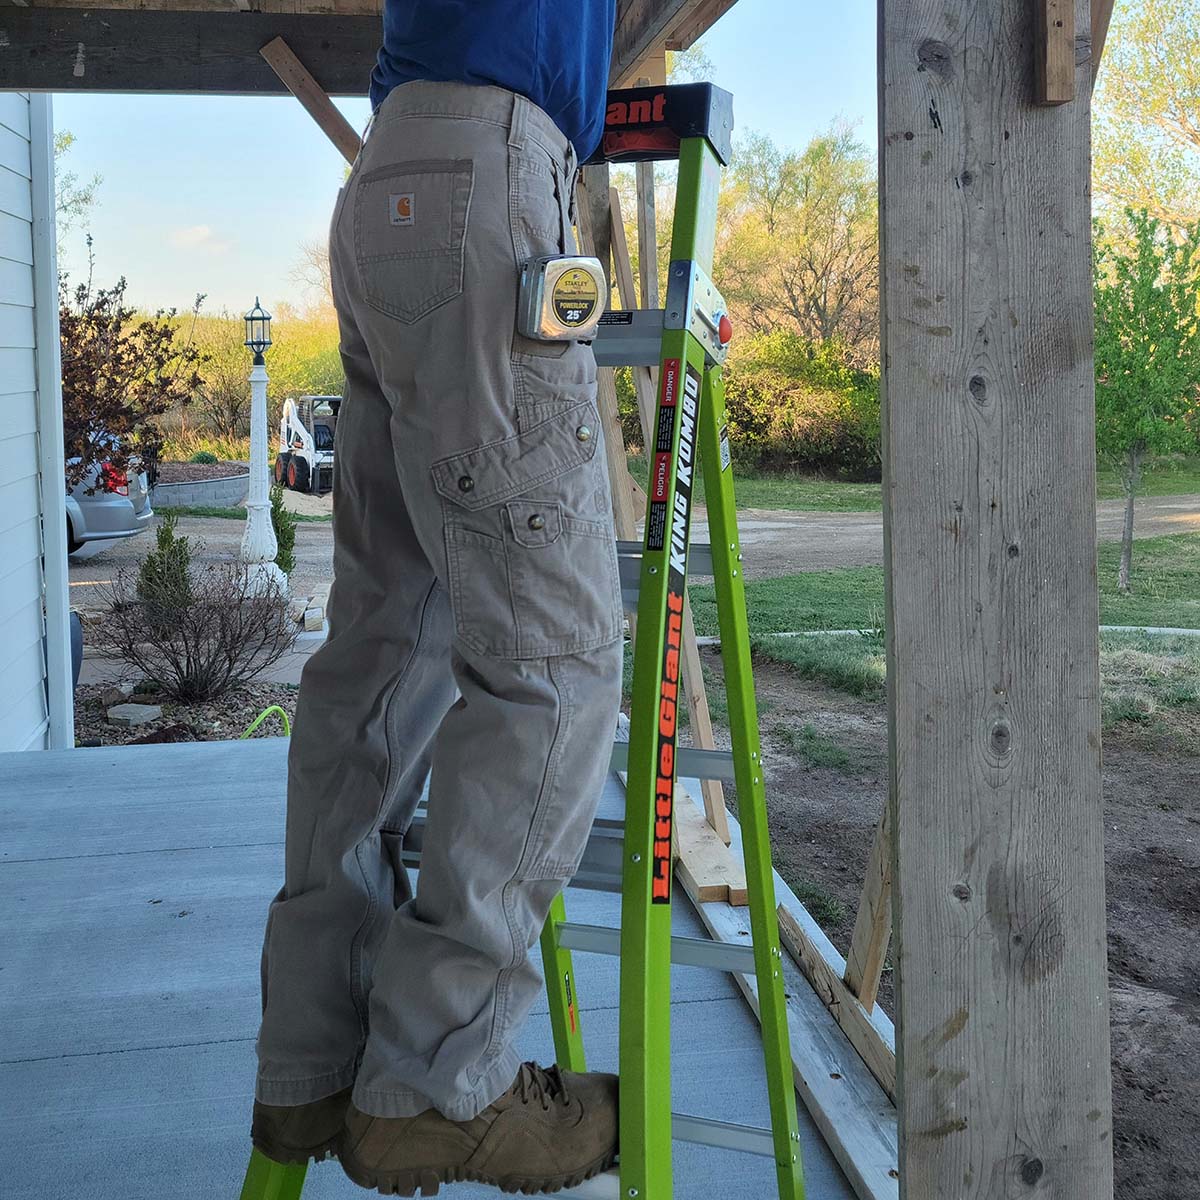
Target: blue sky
[216,194]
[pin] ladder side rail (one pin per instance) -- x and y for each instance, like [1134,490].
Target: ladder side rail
[732,620]
[645,1004]
[561,993]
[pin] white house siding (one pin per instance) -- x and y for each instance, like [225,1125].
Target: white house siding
[26,220]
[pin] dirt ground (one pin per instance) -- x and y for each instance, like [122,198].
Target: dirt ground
[189,472]
[823,819]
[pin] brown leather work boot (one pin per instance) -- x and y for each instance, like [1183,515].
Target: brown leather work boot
[294,1133]
[551,1130]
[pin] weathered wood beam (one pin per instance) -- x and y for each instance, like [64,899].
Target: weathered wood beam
[852,1017]
[1101,17]
[104,50]
[316,103]
[645,24]
[686,32]
[873,922]
[1054,51]
[990,550]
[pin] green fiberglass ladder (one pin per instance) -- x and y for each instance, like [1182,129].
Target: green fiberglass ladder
[686,340]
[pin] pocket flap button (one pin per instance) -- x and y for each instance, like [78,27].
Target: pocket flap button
[537,521]
[466,484]
[583,433]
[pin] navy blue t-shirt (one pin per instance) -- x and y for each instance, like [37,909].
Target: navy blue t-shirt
[555,52]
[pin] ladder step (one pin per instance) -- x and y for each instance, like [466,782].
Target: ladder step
[629,560]
[629,337]
[723,1134]
[690,763]
[629,554]
[686,951]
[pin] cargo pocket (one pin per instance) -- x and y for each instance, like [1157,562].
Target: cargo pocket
[532,564]
[410,230]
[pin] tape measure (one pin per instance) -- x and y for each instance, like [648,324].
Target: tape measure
[561,298]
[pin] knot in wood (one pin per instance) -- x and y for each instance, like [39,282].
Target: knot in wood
[934,56]
[1032,1170]
[961,892]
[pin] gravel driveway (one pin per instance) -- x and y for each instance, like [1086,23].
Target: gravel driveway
[775,543]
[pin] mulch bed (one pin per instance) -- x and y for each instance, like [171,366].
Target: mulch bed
[216,721]
[188,472]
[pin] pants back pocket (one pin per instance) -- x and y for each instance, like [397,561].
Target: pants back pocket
[410,232]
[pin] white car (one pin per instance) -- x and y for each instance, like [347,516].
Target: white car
[107,504]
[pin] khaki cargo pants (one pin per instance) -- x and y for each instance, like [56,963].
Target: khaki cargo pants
[474,626]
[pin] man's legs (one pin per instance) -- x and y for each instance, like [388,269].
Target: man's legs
[370,702]
[496,448]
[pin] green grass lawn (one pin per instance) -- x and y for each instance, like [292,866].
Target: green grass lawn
[800,493]
[1150,681]
[231,514]
[1166,477]
[1166,583]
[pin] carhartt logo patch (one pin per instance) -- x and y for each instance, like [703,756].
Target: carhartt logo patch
[402,206]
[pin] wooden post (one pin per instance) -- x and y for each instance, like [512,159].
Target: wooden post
[1101,16]
[654,72]
[990,550]
[873,924]
[593,215]
[624,515]
[1054,50]
[306,89]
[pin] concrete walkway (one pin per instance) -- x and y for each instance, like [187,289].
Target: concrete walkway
[134,883]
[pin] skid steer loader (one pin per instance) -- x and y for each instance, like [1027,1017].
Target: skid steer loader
[305,459]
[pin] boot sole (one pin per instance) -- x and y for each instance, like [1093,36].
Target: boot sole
[291,1156]
[425,1181]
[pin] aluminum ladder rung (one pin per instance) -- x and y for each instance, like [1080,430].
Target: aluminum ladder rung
[629,562]
[629,337]
[685,951]
[690,763]
[724,1135]
[629,555]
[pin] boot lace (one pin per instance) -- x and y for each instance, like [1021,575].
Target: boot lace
[543,1084]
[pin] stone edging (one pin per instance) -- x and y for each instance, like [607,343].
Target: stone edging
[227,492]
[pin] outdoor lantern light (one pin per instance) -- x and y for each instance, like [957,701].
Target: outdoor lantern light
[259,544]
[258,330]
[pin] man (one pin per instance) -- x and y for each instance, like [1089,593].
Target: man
[475,631]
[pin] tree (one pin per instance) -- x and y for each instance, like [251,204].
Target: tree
[73,200]
[1147,351]
[304,359]
[798,248]
[119,372]
[1147,124]
[223,396]
[313,273]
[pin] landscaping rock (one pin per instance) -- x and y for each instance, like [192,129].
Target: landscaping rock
[116,694]
[314,620]
[133,714]
[297,607]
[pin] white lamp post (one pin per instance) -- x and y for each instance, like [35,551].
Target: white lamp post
[259,546]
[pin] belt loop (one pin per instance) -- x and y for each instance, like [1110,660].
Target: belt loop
[573,183]
[516,128]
